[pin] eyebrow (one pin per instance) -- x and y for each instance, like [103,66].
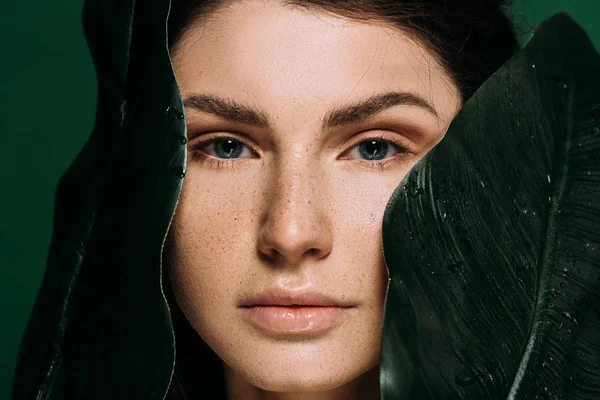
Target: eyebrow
[231,110]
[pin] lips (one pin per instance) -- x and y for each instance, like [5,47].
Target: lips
[284,312]
[281,297]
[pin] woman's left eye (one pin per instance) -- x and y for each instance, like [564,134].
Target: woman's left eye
[373,150]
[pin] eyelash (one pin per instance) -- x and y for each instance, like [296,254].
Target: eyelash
[214,162]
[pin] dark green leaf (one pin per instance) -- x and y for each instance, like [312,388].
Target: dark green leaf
[100,327]
[493,240]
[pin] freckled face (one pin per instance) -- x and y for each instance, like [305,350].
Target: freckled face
[288,177]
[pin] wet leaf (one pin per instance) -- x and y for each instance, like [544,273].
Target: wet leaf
[494,268]
[100,327]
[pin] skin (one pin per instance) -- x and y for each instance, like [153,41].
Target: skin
[300,207]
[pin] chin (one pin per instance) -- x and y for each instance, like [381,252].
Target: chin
[297,383]
[299,378]
[307,366]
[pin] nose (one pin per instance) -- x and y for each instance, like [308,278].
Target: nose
[293,226]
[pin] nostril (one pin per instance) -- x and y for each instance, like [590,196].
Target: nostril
[272,253]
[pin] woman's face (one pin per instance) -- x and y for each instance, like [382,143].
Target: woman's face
[300,125]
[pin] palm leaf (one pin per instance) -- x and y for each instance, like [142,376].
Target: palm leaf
[492,241]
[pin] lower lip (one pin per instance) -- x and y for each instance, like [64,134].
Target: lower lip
[296,320]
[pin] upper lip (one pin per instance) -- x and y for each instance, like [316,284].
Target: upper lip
[283,297]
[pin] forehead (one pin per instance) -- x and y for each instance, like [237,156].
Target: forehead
[264,51]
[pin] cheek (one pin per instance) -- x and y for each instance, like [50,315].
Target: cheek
[360,200]
[359,209]
[210,236]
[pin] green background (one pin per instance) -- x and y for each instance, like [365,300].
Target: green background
[47,107]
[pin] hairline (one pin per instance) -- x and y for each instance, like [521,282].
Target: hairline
[210,9]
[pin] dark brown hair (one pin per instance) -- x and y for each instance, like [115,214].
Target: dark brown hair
[471,40]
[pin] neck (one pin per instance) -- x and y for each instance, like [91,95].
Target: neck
[365,387]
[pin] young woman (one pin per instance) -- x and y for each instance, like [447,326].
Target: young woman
[302,118]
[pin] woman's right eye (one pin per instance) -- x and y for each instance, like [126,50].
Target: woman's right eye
[224,148]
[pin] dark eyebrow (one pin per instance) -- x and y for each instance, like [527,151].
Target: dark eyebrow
[373,105]
[229,109]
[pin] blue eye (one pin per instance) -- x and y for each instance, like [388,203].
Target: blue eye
[374,150]
[225,148]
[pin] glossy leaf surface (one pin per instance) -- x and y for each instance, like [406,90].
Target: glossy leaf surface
[492,241]
[100,327]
